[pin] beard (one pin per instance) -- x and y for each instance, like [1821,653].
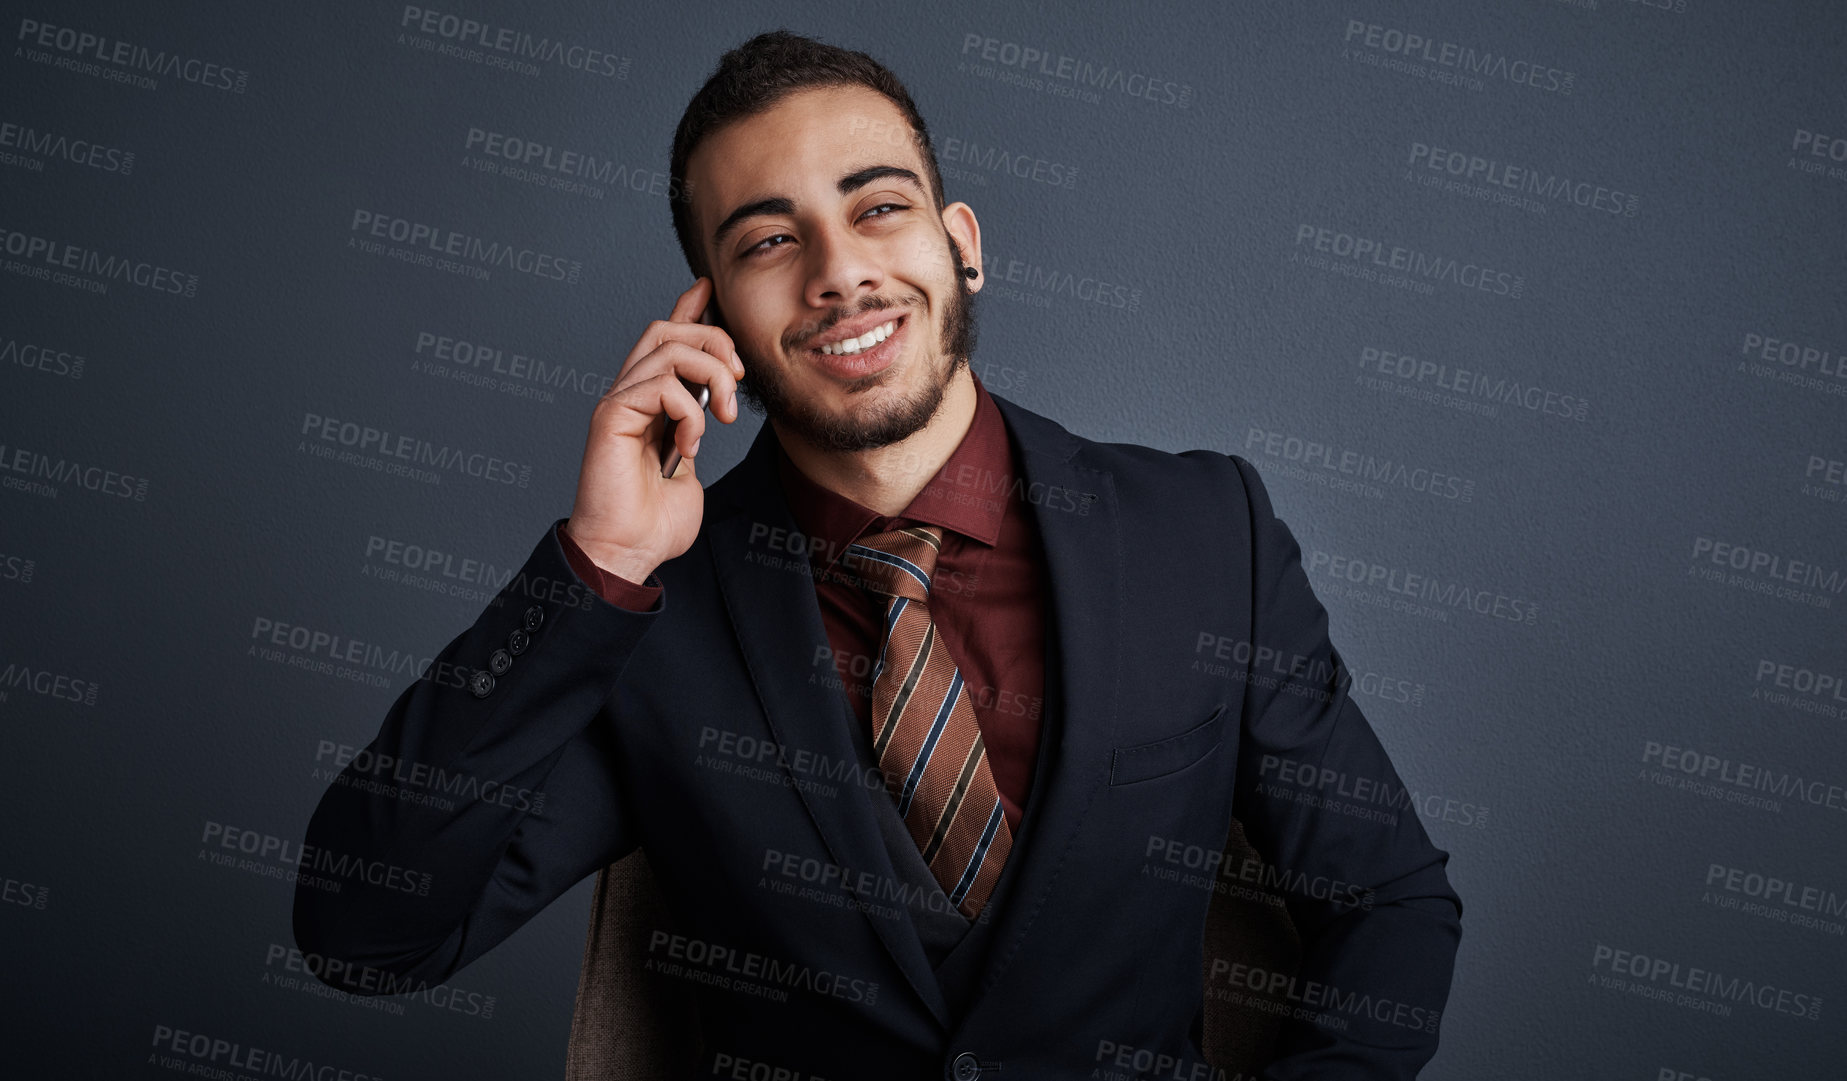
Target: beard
[766,391]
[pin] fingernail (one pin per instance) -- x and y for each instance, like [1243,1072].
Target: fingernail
[695,452]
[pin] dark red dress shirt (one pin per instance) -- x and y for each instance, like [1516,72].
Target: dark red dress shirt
[987,594]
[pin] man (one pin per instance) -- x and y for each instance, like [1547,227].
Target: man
[913,709]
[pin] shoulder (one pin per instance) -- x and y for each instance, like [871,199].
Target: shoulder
[1198,476]
[1196,507]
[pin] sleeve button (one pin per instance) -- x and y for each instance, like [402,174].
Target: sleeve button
[500,662]
[481,684]
[517,641]
[534,616]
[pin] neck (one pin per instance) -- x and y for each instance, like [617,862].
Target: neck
[887,478]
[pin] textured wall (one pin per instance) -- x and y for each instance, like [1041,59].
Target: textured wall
[1530,314]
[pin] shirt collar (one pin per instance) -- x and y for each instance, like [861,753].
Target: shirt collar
[968,495]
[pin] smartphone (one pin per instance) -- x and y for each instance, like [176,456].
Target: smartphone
[670,454]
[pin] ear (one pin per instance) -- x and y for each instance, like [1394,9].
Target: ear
[959,219]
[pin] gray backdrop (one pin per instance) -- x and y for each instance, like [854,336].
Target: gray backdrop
[1528,313]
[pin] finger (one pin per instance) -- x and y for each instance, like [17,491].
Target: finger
[637,410]
[676,401]
[693,364]
[687,308]
[690,306]
[698,366]
[709,339]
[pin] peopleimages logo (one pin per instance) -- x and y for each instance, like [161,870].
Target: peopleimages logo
[1771,565]
[496,367]
[1360,465]
[1773,890]
[49,260]
[374,982]
[284,858]
[422,244]
[1408,51]
[1709,990]
[1501,177]
[410,450]
[344,657]
[1000,160]
[1805,681]
[46,683]
[61,147]
[39,356]
[516,48]
[413,558]
[1820,146]
[1742,778]
[1799,364]
[210,1055]
[1796,356]
[1475,387]
[1069,71]
[127,61]
[1393,264]
[30,470]
[1039,284]
[552,166]
[16,568]
[1404,586]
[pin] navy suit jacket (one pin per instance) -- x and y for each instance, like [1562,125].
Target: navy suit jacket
[1190,678]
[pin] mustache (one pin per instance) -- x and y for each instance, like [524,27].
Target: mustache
[812,331]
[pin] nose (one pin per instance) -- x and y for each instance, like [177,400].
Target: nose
[842,268]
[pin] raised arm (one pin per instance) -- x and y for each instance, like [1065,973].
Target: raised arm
[486,794]
[488,790]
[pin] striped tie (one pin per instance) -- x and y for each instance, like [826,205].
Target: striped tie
[923,726]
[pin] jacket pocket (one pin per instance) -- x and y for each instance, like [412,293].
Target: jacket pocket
[1146,761]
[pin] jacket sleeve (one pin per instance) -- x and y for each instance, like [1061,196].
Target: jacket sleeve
[487,793]
[1321,803]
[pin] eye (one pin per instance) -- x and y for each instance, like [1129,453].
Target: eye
[765,244]
[759,246]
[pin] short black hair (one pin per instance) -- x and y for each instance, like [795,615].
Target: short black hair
[752,79]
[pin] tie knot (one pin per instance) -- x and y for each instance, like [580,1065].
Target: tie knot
[896,563]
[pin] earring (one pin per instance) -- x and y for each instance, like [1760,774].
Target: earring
[970,273]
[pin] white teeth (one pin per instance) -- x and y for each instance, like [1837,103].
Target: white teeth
[865,341]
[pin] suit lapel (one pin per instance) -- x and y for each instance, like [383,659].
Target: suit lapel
[1075,508]
[779,627]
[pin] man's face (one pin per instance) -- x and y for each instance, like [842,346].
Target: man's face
[797,263]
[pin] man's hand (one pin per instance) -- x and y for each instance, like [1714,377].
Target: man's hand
[627,517]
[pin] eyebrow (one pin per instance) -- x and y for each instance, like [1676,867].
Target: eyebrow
[782,204]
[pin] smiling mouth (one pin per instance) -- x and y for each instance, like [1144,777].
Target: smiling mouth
[855,346]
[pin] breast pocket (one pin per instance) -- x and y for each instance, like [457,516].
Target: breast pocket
[1146,761]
